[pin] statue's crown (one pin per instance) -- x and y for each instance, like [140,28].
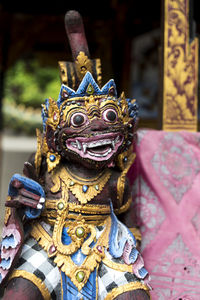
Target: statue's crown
[87,87]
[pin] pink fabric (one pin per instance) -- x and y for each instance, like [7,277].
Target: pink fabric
[166,192]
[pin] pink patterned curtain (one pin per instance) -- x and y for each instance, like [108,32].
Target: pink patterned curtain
[166,193]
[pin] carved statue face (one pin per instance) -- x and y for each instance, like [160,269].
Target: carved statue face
[91,129]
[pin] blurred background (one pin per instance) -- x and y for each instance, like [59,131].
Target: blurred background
[126,35]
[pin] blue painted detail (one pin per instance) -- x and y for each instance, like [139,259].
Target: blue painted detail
[0,278]
[85,188]
[88,79]
[125,159]
[44,113]
[8,241]
[82,89]
[66,240]
[5,263]
[70,291]
[115,248]
[71,93]
[52,157]
[31,186]
[132,109]
[143,272]
[131,236]
[107,86]
[32,213]
[133,255]
[78,257]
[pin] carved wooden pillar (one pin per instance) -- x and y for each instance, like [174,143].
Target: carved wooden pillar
[180,69]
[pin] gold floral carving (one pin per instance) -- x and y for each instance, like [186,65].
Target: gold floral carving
[76,184]
[180,69]
[76,242]
[62,259]
[53,114]
[63,71]
[98,71]
[83,64]
[68,70]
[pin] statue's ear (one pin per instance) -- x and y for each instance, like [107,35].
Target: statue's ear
[50,138]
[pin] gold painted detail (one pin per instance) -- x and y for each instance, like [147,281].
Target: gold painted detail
[61,254]
[117,266]
[34,279]
[124,207]
[98,71]
[86,209]
[38,154]
[53,114]
[122,179]
[79,68]
[83,64]
[7,215]
[136,232]
[63,72]
[84,190]
[127,288]
[180,79]
[53,160]
[77,242]
[96,213]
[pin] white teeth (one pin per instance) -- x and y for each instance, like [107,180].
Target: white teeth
[78,144]
[113,144]
[99,155]
[99,143]
[74,144]
[117,139]
[84,148]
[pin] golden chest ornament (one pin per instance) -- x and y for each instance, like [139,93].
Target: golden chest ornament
[83,189]
[81,235]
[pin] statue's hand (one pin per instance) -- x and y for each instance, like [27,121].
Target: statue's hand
[26,193]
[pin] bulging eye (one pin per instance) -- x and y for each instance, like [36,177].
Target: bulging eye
[78,119]
[110,115]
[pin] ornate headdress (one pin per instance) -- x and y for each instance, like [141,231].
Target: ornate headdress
[80,90]
[87,93]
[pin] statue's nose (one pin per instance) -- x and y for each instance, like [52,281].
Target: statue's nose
[98,125]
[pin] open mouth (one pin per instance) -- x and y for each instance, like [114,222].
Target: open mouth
[99,148]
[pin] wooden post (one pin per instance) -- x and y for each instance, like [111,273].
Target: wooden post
[180,69]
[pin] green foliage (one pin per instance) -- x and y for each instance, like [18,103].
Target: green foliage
[27,85]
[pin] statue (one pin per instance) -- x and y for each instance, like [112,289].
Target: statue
[61,237]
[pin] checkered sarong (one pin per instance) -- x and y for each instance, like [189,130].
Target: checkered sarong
[34,260]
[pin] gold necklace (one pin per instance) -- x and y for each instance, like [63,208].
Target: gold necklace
[83,189]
